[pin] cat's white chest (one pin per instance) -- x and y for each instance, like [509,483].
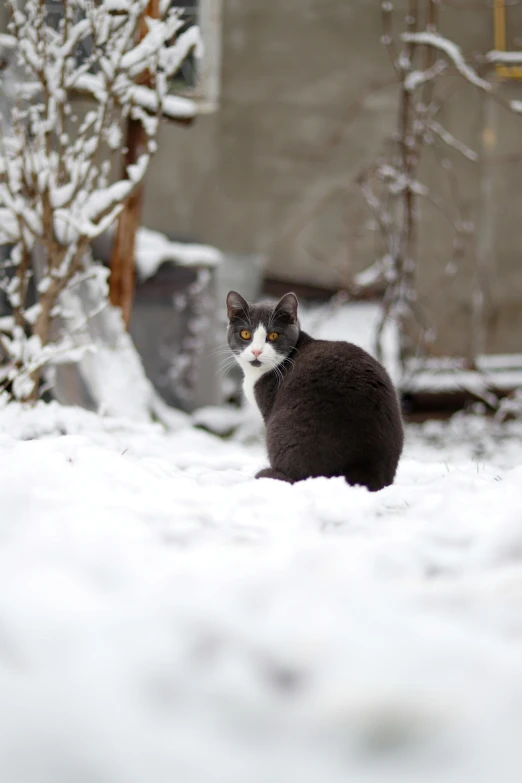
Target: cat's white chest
[251,376]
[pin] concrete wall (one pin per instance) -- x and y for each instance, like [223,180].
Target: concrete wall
[307,102]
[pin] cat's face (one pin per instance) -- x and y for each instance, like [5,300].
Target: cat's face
[261,336]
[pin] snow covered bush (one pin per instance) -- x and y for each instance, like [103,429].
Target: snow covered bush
[82,73]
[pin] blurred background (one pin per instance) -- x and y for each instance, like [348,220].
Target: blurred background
[289,178]
[159,609]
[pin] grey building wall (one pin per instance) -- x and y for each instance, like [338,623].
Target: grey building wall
[307,101]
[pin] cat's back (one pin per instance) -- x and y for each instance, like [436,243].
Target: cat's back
[334,412]
[338,367]
[342,392]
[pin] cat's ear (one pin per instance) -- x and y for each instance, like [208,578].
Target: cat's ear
[237,307]
[287,307]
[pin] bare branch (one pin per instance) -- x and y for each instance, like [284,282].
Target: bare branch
[452,51]
[452,142]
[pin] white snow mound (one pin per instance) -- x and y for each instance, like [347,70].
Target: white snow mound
[165,617]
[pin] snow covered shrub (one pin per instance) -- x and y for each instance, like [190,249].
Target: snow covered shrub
[81,73]
[510,407]
[426,64]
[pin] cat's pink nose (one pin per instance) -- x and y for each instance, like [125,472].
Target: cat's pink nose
[256,351]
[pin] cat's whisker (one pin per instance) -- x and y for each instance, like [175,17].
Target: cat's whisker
[226,363]
[225,369]
[275,366]
[223,372]
[243,321]
[221,348]
[227,360]
[222,355]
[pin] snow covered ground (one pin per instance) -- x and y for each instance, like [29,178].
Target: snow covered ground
[164,617]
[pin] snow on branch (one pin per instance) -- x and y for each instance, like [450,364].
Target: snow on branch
[452,51]
[56,192]
[452,142]
[506,58]
[173,106]
[415,79]
[7,43]
[392,188]
[172,57]
[9,226]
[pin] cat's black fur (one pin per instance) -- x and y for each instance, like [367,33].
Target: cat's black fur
[331,410]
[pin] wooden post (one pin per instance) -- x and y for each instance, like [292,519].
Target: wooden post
[122,278]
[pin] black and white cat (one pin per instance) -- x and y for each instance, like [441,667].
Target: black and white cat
[330,409]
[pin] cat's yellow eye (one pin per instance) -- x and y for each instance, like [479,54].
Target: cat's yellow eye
[273,336]
[245,334]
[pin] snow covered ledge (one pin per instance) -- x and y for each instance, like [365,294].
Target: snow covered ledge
[154,248]
[176,318]
[110,376]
